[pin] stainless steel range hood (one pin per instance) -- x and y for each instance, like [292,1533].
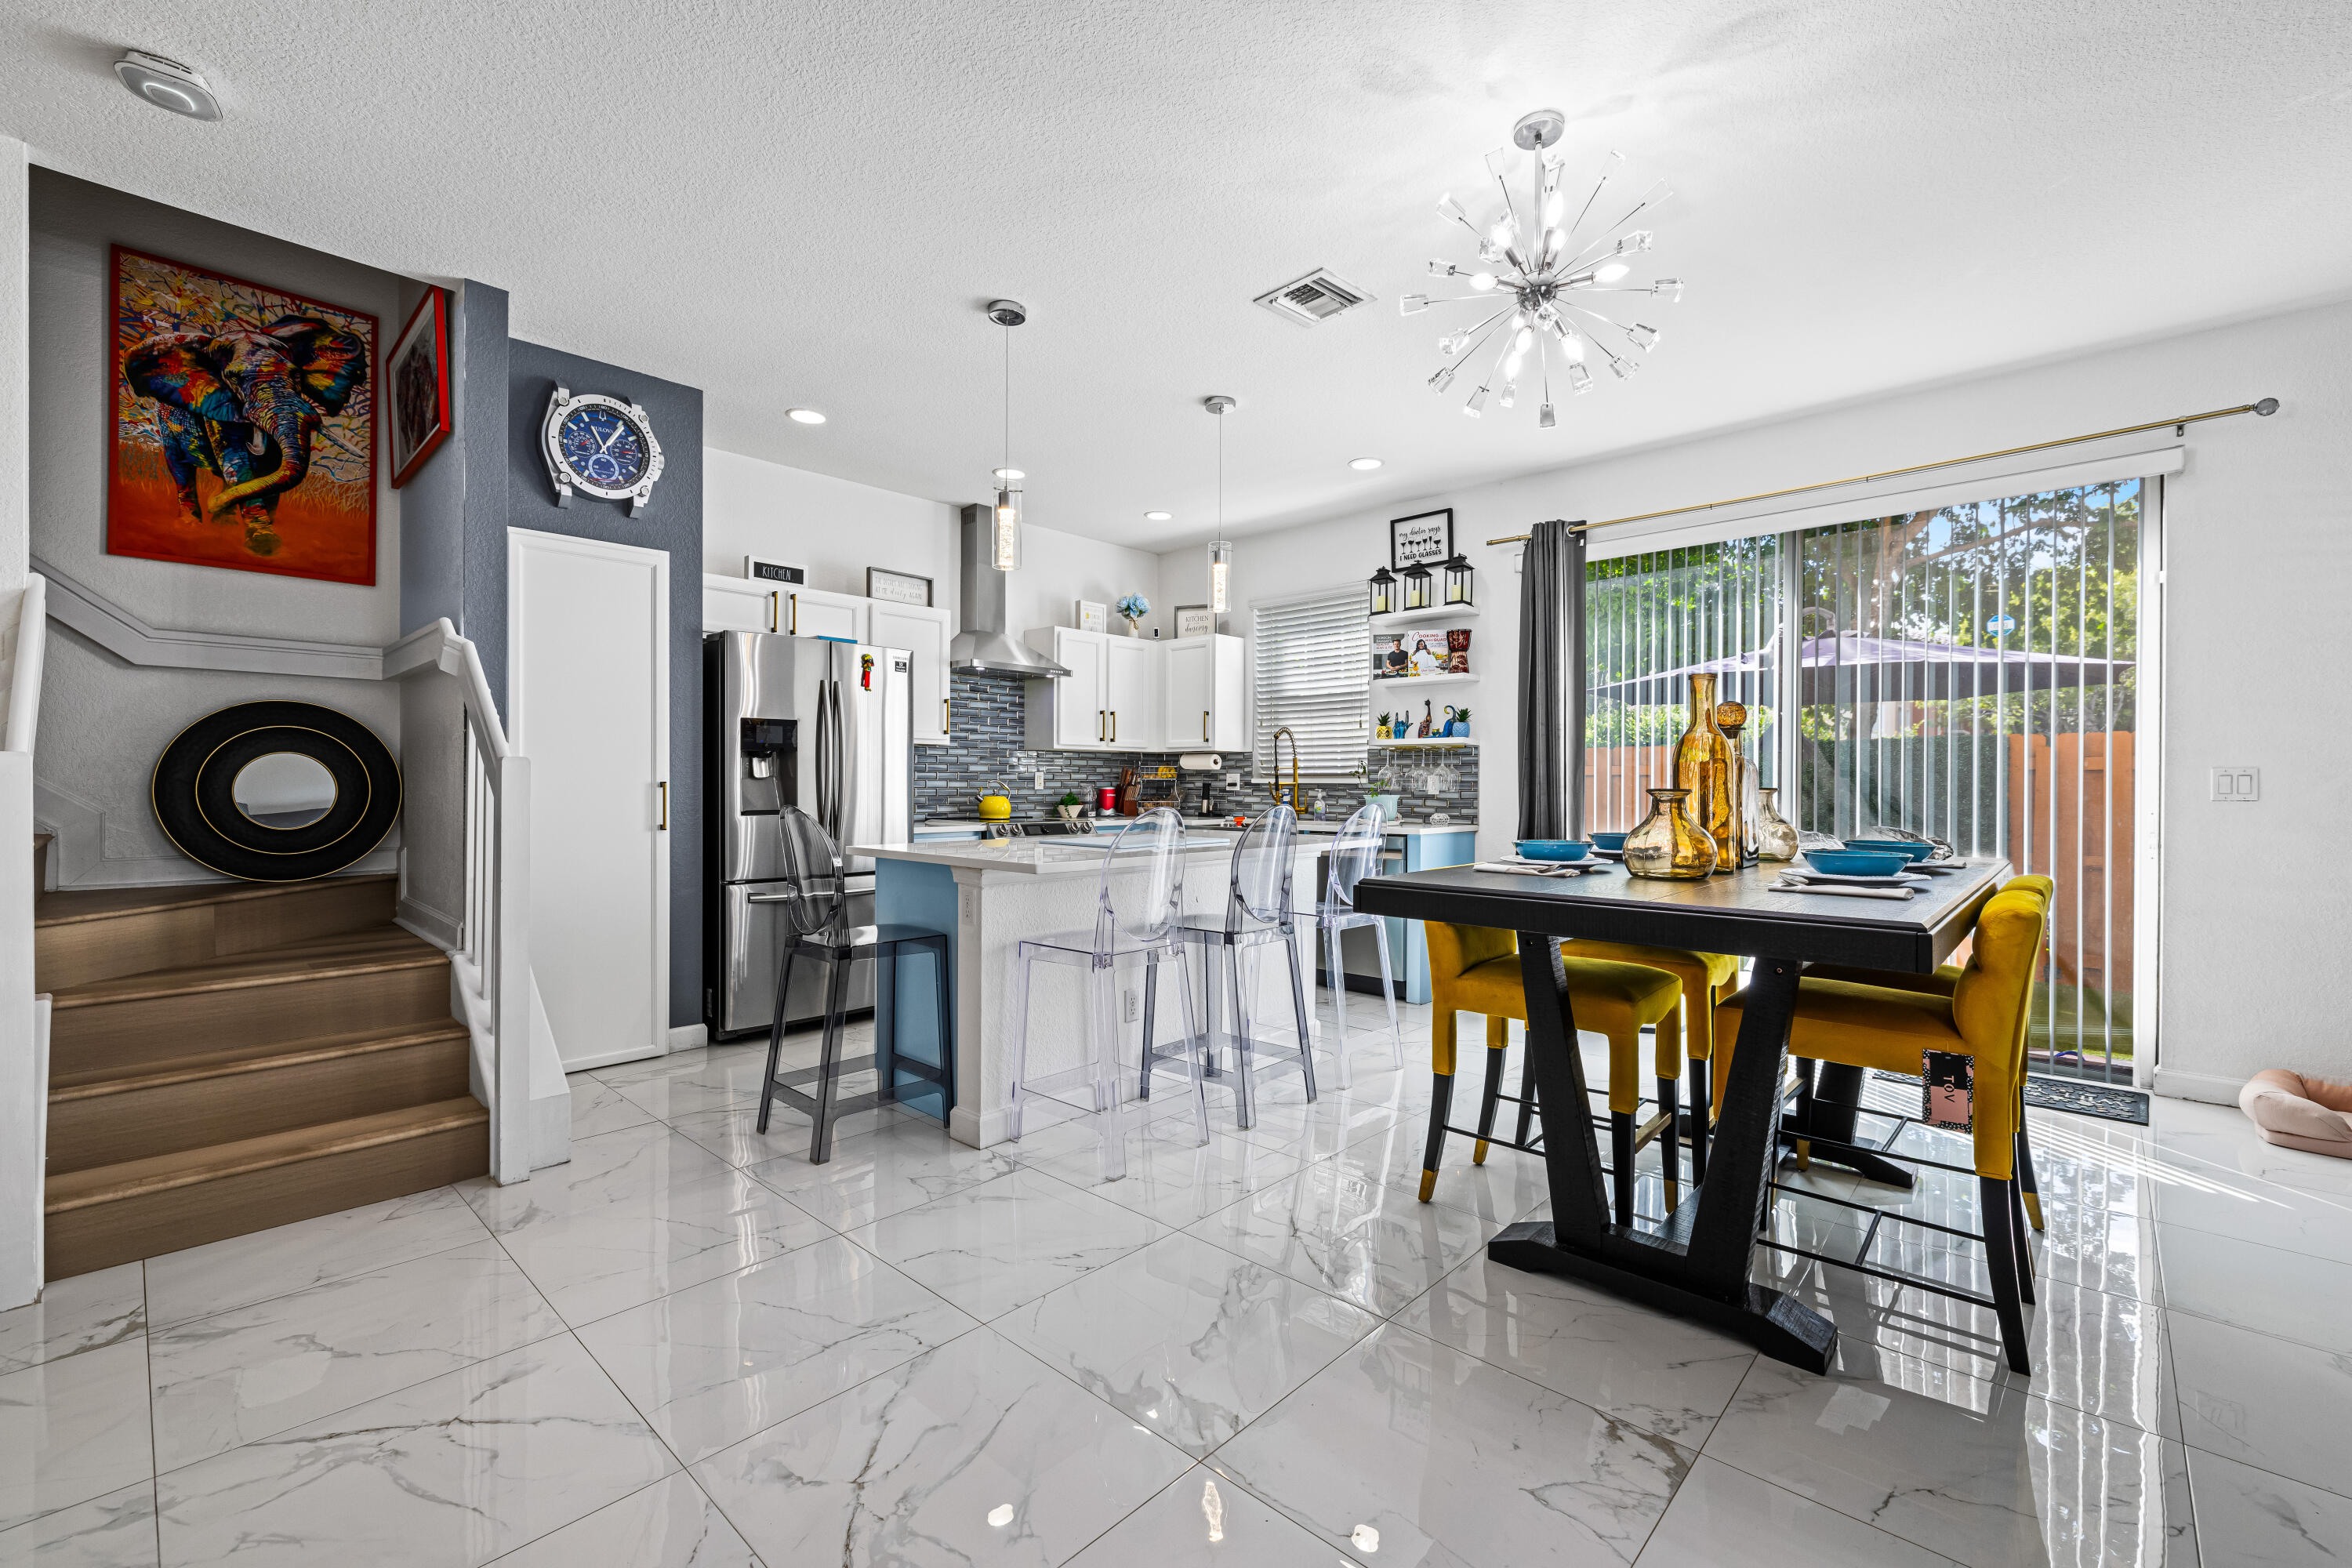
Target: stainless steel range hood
[982,647]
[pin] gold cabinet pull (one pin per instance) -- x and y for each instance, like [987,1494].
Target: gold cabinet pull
[1204,726]
[944,725]
[665,808]
[771,612]
[1113,726]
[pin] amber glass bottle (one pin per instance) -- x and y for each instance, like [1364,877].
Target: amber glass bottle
[1703,770]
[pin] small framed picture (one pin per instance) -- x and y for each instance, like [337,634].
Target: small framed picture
[1422,539]
[418,372]
[1093,616]
[897,587]
[1195,621]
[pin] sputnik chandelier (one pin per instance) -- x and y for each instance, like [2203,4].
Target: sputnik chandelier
[1543,271]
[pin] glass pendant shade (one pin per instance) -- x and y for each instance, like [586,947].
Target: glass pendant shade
[1004,549]
[1417,580]
[1455,583]
[1221,563]
[1384,596]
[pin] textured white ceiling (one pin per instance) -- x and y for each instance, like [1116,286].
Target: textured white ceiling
[808,203]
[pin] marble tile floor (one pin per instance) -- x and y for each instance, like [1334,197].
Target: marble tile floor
[688,1347]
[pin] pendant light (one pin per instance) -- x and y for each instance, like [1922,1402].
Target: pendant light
[1220,549]
[1004,542]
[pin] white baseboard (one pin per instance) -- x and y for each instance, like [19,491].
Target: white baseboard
[689,1036]
[2214,1089]
[966,1125]
[78,858]
[443,930]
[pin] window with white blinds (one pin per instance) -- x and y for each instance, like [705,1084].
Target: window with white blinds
[1313,658]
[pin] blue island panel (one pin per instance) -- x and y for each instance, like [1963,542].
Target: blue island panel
[908,893]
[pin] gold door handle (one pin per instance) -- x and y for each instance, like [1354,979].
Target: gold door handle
[771,612]
[665,808]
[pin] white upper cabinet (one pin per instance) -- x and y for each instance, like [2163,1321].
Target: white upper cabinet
[813,612]
[1135,690]
[923,633]
[737,605]
[741,605]
[1206,694]
[1128,694]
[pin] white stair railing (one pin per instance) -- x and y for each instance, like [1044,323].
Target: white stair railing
[490,959]
[24,1016]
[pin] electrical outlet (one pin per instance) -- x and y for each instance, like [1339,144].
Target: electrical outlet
[1040,777]
[1134,1006]
[1233,780]
[2238,783]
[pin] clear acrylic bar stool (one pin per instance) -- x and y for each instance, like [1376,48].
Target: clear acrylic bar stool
[1355,855]
[1257,913]
[1135,911]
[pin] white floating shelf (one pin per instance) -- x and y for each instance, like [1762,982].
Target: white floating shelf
[1422,617]
[1416,682]
[1433,743]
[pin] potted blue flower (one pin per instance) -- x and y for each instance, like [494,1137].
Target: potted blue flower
[1134,607]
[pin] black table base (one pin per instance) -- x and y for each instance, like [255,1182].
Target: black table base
[1698,1266]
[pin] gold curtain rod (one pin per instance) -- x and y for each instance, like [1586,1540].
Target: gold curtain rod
[2265,407]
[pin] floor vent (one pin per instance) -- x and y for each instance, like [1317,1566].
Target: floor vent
[1314,298]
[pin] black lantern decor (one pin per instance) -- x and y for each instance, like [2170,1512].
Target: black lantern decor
[1417,587]
[1455,584]
[1384,592]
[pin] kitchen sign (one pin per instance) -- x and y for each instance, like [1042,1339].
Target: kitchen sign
[1423,539]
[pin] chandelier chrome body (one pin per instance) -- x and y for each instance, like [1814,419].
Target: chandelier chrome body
[1554,282]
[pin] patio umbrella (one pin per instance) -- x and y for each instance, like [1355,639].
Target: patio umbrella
[1850,668]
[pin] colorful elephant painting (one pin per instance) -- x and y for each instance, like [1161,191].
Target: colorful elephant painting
[243,424]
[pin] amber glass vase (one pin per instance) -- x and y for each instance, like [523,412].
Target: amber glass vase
[1731,718]
[1703,769]
[1668,846]
[1775,839]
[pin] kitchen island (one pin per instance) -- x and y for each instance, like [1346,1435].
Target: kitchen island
[988,895]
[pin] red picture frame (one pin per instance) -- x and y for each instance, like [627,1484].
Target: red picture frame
[182,345]
[416,387]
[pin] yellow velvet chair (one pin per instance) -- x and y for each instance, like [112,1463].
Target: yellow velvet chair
[1707,978]
[1476,968]
[1941,982]
[1983,1016]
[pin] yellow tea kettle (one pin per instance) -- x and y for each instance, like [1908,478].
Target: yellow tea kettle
[997,807]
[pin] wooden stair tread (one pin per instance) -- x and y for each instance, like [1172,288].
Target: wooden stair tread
[136,1178]
[348,953]
[109,903]
[245,1058]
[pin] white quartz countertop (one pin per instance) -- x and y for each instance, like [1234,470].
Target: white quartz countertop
[1069,856]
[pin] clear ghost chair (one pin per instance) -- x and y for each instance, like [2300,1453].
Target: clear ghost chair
[1355,855]
[1136,910]
[1257,912]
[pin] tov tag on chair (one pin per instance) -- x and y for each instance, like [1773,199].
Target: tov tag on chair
[1948,1097]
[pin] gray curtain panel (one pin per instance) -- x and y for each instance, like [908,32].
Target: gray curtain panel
[1551,682]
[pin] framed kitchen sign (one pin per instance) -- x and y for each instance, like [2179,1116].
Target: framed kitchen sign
[896,588]
[1422,540]
[1195,621]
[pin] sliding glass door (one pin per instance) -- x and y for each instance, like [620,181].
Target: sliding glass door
[1969,673]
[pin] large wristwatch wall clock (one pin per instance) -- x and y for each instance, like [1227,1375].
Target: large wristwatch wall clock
[599,445]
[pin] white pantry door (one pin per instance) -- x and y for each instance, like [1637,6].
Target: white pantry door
[588,702]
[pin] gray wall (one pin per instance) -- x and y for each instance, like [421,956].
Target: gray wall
[454,509]
[672,521]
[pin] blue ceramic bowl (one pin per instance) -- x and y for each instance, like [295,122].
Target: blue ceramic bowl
[1902,846]
[1552,848]
[1855,862]
[1612,842]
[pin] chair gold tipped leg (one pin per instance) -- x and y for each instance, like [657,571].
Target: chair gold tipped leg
[1805,1153]
[2034,1209]
[1428,1185]
[1478,1152]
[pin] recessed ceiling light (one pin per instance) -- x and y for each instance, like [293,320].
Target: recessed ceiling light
[1008,473]
[803,417]
[1157,516]
[1363,464]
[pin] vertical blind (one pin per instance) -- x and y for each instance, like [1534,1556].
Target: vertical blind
[1313,666]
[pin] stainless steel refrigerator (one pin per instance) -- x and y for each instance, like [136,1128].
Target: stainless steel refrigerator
[807,722]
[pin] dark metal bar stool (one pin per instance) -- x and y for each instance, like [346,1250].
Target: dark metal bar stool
[814,924]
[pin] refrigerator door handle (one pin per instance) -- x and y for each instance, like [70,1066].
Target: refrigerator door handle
[840,759]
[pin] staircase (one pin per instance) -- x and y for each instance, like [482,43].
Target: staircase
[227,1057]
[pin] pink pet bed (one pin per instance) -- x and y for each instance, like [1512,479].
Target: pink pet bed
[2298,1112]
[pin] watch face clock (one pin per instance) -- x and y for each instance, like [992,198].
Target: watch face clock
[602,445]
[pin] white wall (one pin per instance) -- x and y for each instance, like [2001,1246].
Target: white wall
[2259,575]
[104,723]
[837,529]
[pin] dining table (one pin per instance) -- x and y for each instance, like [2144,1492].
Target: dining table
[1698,1263]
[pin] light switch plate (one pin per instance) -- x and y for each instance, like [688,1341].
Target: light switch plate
[2238,783]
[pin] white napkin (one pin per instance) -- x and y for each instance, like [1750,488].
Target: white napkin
[1519,866]
[1874,879]
[1841,890]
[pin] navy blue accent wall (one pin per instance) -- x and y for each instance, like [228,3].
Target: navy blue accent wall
[672,521]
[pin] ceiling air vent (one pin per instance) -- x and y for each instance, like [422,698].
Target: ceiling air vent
[1318,297]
